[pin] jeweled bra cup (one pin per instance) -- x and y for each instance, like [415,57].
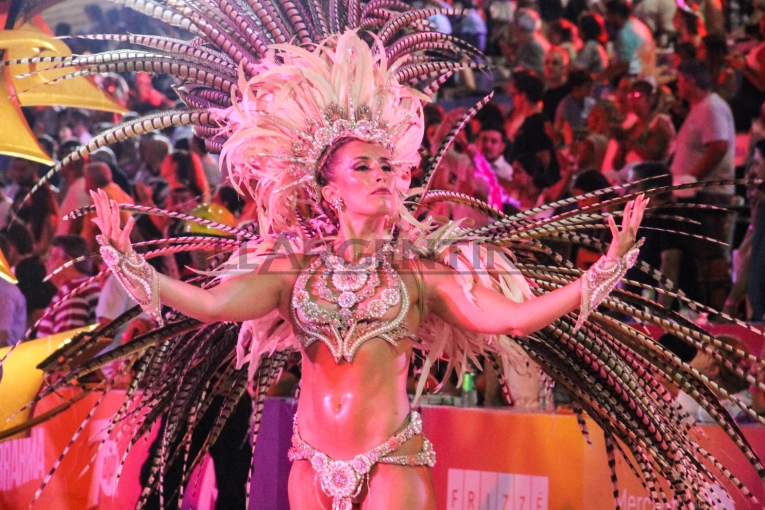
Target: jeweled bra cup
[343,331]
[342,480]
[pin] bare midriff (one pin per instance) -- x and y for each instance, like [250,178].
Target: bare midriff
[349,408]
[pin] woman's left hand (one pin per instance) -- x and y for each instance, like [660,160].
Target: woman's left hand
[624,239]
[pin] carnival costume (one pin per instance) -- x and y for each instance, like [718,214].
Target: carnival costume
[271,84]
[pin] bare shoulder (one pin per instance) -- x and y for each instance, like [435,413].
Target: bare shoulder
[429,272]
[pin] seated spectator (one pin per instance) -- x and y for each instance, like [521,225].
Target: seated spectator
[180,199]
[66,311]
[531,135]
[587,150]
[500,20]
[556,73]
[491,143]
[689,26]
[722,376]
[622,90]
[75,197]
[472,27]
[492,172]
[213,173]
[592,57]
[650,135]
[457,171]
[441,21]
[634,48]
[573,110]
[29,271]
[145,98]
[153,150]
[528,52]
[564,34]
[525,190]
[604,118]
[127,153]
[98,176]
[184,169]
[526,90]
[40,212]
[13,306]
[106,155]
[77,122]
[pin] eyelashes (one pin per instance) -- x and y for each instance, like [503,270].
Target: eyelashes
[364,168]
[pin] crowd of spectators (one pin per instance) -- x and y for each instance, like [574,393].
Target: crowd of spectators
[588,95]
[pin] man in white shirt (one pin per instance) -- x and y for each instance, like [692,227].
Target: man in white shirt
[705,145]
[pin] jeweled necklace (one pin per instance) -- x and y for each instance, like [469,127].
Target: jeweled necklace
[355,283]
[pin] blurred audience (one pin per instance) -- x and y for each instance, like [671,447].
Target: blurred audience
[69,310]
[13,305]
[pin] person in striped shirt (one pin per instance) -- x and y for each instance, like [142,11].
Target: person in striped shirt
[67,312]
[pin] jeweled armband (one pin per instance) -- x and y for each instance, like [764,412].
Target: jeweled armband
[598,281]
[133,272]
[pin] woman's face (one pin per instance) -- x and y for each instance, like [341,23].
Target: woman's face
[596,120]
[555,65]
[637,103]
[363,178]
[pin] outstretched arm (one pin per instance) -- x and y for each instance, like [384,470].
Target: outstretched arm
[493,313]
[232,300]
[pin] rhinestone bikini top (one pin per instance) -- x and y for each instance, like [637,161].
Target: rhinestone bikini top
[357,319]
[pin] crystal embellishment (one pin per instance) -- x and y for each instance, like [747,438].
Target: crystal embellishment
[357,318]
[342,480]
[346,299]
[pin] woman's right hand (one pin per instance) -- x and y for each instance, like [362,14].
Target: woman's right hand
[108,221]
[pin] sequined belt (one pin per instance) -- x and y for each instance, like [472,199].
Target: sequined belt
[342,479]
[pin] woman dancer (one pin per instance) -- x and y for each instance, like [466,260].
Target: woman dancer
[322,135]
[353,398]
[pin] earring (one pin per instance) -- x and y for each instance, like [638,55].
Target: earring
[338,204]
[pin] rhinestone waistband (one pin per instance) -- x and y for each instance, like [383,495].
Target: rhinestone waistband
[342,480]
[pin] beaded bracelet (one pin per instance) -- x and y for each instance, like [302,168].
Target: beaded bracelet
[132,271]
[598,281]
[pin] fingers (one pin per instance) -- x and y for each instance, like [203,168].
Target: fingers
[614,228]
[637,216]
[125,236]
[115,219]
[627,215]
[98,212]
[102,214]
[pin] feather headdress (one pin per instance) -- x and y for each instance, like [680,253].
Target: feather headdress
[353,70]
[299,103]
